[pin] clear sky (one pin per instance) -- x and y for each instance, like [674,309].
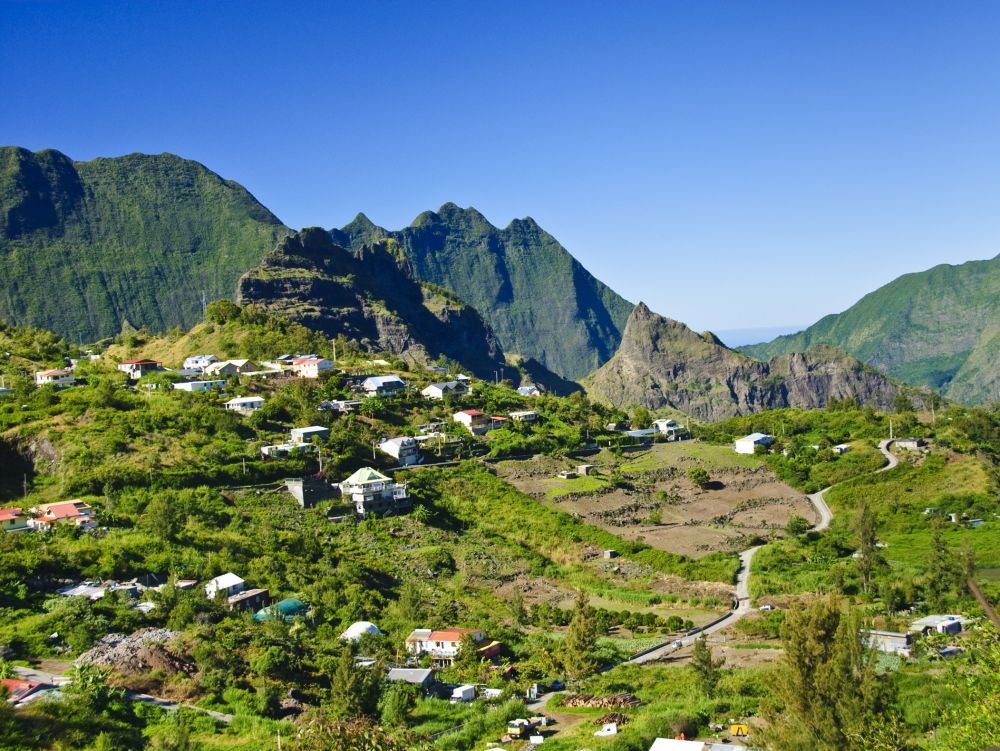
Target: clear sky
[732,164]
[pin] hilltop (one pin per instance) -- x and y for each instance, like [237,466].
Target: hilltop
[937,328]
[663,363]
[541,302]
[88,246]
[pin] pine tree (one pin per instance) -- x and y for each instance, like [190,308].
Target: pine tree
[705,667]
[869,557]
[578,649]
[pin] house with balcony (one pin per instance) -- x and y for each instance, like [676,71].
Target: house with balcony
[439,391]
[383,385]
[475,421]
[443,645]
[371,492]
[136,369]
[13,520]
[55,376]
[74,512]
[198,363]
[311,367]
[405,450]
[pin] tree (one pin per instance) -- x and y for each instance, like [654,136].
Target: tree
[396,703]
[828,695]
[870,559]
[943,570]
[578,648]
[902,404]
[797,525]
[353,690]
[705,667]
[641,418]
[699,476]
[222,311]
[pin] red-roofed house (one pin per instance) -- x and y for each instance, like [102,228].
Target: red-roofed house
[476,422]
[12,520]
[443,645]
[136,369]
[71,512]
[19,689]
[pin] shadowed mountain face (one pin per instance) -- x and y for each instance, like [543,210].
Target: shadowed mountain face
[540,301]
[372,297]
[86,246]
[938,328]
[663,363]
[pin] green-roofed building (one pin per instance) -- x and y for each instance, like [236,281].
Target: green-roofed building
[371,492]
[287,610]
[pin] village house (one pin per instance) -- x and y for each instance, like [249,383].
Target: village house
[231,368]
[405,450]
[343,406]
[941,624]
[20,689]
[475,421]
[74,512]
[198,363]
[245,404]
[309,434]
[670,429]
[197,386]
[136,369]
[422,677]
[55,376]
[249,599]
[529,389]
[443,645]
[13,520]
[383,385]
[438,391]
[910,444]
[748,444]
[372,492]
[311,367]
[227,584]
[888,642]
[527,415]
[278,450]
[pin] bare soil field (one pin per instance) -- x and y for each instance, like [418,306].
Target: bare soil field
[647,496]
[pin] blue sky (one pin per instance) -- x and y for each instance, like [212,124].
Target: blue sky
[731,164]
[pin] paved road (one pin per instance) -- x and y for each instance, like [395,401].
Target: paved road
[825,516]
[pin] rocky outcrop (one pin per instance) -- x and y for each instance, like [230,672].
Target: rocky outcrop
[370,296]
[663,363]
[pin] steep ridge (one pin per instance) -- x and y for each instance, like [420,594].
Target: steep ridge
[663,363]
[540,301]
[86,246]
[938,328]
[371,297]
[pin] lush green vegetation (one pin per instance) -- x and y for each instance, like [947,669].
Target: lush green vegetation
[149,237]
[539,300]
[929,318]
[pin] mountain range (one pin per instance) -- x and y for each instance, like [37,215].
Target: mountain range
[540,300]
[938,328]
[663,363]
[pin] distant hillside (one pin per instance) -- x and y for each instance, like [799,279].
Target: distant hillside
[937,328]
[371,297]
[86,246]
[663,363]
[540,301]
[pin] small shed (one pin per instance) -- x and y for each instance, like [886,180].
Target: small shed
[422,677]
[585,469]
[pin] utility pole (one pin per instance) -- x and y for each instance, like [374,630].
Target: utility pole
[890,429]
[204,304]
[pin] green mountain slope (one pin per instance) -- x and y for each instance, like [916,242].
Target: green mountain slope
[937,328]
[538,299]
[88,245]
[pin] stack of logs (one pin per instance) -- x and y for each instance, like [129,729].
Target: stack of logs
[617,718]
[614,701]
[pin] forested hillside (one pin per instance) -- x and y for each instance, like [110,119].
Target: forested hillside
[89,246]
[936,328]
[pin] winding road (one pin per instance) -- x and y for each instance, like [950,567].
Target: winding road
[824,517]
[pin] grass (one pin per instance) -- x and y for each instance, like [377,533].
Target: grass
[588,484]
[687,454]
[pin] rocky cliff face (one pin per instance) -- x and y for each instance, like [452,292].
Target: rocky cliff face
[371,297]
[540,301]
[663,363]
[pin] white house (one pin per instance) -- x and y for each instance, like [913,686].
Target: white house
[372,492]
[841,448]
[439,391]
[475,421]
[529,389]
[748,444]
[910,444]
[136,369]
[195,386]
[229,584]
[404,450]
[443,645]
[198,363]
[245,404]
[339,405]
[231,367]
[311,367]
[56,376]
[306,435]
[525,415]
[383,385]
